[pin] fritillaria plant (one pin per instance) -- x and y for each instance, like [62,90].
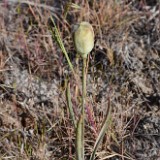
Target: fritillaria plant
[84,43]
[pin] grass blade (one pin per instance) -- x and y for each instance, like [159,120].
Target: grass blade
[55,33]
[102,132]
[69,102]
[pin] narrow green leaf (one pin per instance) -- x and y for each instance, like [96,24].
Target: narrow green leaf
[69,102]
[102,132]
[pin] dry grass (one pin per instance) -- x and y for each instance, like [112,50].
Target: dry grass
[124,69]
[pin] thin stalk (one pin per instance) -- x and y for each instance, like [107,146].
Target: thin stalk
[68,95]
[79,144]
[80,125]
[83,100]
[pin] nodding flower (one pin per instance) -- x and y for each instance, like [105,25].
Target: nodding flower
[84,38]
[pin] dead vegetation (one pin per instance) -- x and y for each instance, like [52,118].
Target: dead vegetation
[124,69]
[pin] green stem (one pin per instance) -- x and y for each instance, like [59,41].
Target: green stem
[83,85]
[83,101]
[80,125]
[69,102]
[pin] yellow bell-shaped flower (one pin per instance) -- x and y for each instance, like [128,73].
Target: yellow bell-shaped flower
[84,38]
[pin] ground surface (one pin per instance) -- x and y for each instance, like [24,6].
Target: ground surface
[123,70]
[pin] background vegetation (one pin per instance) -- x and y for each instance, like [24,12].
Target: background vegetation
[124,72]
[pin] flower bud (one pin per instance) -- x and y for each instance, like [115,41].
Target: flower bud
[84,38]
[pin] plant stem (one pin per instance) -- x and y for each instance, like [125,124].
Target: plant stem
[68,95]
[83,101]
[80,124]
